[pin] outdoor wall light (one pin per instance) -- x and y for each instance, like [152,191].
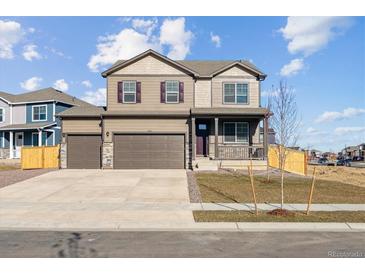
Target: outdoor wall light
[107,134]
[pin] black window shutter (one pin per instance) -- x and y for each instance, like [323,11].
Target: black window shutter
[181,92]
[138,95]
[162,92]
[120,92]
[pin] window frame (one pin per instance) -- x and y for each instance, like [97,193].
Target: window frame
[235,93]
[2,115]
[39,106]
[130,92]
[174,92]
[235,133]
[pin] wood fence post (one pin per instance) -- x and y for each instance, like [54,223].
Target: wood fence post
[311,190]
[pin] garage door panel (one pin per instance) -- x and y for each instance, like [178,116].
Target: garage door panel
[83,151]
[149,151]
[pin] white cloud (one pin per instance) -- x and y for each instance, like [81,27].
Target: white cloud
[350,130]
[145,26]
[31,30]
[141,36]
[123,45]
[57,52]
[97,97]
[61,85]
[86,83]
[292,68]
[32,83]
[10,34]
[215,39]
[308,35]
[174,35]
[347,113]
[311,130]
[30,52]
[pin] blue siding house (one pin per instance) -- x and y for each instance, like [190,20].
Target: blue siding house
[30,119]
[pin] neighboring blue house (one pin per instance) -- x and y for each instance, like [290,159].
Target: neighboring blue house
[29,119]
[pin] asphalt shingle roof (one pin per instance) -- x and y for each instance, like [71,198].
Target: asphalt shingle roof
[46,94]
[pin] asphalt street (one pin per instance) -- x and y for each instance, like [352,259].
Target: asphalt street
[45,244]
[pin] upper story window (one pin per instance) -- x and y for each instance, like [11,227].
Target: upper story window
[39,113]
[2,115]
[129,92]
[235,93]
[236,132]
[172,91]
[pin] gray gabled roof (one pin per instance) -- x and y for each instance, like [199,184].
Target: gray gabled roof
[27,126]
[198,68]
[46,94]
[90,111]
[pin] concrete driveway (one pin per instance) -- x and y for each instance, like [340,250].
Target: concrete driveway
[98,199]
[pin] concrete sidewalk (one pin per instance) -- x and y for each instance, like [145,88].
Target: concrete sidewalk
[298,207]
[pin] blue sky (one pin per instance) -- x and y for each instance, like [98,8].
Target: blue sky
[323,59]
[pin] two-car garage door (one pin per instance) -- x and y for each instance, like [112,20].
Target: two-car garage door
[149,151]
[131,151]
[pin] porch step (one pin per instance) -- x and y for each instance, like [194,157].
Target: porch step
[206,164]
[243,164]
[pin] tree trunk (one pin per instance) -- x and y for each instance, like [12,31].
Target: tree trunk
[282,188]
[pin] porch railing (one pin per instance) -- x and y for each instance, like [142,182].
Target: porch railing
[239,152]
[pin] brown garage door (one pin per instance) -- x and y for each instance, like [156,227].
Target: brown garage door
[149,151]
[83,151]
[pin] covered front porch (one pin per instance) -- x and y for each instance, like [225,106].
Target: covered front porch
[229,134]
[14,137]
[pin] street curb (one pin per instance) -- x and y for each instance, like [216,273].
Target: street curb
[217,227]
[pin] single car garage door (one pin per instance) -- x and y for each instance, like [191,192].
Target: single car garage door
[150,151]
[83,151]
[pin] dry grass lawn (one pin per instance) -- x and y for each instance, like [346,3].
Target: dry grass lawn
[8,167]
[224,187]
[346,175]
[247,216]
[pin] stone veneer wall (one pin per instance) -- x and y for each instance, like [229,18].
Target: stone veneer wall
[4,153]
[63,155]
[107,161]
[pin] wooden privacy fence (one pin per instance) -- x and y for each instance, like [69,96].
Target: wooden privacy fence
[295,161]
[40,157]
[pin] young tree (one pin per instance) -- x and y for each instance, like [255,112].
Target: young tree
[285,123]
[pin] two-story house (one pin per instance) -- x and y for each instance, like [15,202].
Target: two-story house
[29,119]
[163,113]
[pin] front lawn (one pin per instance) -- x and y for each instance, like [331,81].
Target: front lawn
[227,187]
[247,216]
[8,167]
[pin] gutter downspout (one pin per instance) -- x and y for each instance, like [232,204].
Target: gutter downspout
[102,139]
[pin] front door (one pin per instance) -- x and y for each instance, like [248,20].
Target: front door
[18,144]
[202,135]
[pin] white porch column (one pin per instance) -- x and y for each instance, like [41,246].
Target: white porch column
[11,145]
[216,120]
[40,138]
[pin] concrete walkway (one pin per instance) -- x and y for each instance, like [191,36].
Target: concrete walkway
[298,207]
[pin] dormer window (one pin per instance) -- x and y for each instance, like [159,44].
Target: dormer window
[235,93]
[39,113]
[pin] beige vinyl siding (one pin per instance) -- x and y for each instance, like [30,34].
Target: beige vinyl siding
[150,93]
[140,125]
[203,92]
[232,75]
[81,125]
[149,65]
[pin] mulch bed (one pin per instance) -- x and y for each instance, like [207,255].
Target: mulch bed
[9,177]
[194,192]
